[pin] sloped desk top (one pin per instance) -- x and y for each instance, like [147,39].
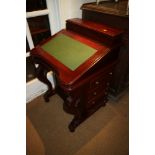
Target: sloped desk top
[70,55]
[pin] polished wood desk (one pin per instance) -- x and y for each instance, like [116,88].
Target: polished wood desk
[82,69]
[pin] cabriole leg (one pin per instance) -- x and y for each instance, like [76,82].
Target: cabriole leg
[42,76]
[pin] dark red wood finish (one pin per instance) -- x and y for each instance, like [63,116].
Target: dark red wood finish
[85,89]
[96,31]
[66,75]
[98,27]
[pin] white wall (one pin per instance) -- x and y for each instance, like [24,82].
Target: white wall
[70,9]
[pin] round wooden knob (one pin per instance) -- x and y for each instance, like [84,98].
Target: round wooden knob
[93,102]
[108,83]
[94,93]
[97,82]
[106,93]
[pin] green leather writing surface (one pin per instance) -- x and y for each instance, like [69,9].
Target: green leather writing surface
[68,51]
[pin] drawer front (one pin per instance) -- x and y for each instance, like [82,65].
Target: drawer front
[102,91]
[95,101]
[98,89]
[100,81]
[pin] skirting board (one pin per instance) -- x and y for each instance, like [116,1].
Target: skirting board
[35,88]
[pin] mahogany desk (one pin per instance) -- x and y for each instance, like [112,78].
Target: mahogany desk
[82,69]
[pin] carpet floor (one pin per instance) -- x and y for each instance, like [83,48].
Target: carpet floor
[106,132]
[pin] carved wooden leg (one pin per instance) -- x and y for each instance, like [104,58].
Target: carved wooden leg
[79,116]
[42,76]
[74,123]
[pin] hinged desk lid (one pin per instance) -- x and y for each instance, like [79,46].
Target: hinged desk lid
[68,51]
[70,54]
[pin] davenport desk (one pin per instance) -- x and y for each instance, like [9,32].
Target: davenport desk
[82,70]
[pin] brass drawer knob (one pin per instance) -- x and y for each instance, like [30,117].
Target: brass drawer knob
[93,102]
[95,93]
[110,73]
[97,82]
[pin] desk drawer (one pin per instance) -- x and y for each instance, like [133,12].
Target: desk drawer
[95,101]
[100,81]
[97,92]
